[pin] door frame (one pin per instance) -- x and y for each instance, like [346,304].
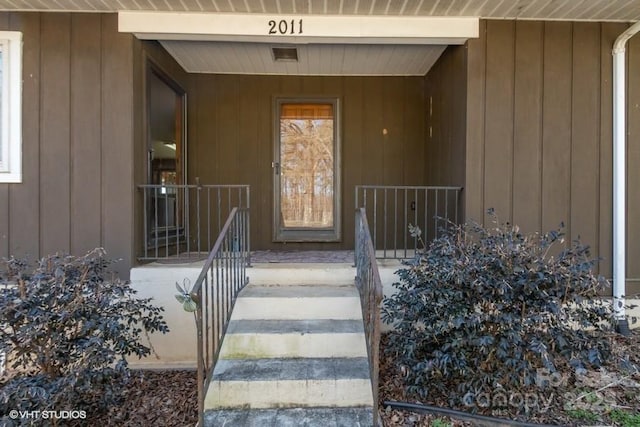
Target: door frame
[152,69]
[304,234]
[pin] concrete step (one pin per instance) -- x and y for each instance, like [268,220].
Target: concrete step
[275,383]
[292,417]
[294,273]
[295,302]
[293,355]
[251,339]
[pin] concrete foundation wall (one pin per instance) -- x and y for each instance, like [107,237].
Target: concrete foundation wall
[177,349]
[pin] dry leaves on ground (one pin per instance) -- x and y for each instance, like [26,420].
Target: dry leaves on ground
[155,398]
[594,396]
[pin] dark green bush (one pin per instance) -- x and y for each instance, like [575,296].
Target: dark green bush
[483,308]
[66,329]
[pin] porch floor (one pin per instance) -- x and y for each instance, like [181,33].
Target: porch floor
[333,257]
[268,256]
[196,259]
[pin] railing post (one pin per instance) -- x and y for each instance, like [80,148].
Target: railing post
[248,223]
[198,190]
[197,298]
[356,234]
[187,217]
[145,225]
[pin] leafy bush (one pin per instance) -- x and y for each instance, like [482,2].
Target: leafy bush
[488,307]
[625,419]
[66,329]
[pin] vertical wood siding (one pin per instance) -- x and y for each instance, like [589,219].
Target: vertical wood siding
[539,130]
[446,102]
[633,163]
[446,115]
[231,137]
[527,138]
[77,139]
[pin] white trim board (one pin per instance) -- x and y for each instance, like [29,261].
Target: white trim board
[299,29]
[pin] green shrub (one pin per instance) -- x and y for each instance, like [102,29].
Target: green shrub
[66,329]
[583,414]
[624,418]
[482,308]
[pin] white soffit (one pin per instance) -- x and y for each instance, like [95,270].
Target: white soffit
[313,59]
[299,29]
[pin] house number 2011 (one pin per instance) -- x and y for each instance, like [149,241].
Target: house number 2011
[285,26]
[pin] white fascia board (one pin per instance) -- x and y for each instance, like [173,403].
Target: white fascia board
[298,28]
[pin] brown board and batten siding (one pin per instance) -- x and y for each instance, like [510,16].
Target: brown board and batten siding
[446,112]
[539,131]
[77,139]
[231,137]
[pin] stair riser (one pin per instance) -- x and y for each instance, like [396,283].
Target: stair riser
[297,308]
[289,393]
[261,346]
[314,274]
[292,417]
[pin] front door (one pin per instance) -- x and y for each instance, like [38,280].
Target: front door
[306,170]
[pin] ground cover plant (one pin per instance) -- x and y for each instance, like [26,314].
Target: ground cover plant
[67,326]
[486,314]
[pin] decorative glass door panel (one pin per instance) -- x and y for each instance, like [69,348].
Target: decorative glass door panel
[306,171]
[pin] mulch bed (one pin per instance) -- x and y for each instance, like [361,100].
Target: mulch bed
[593,395]
[169,398]
[155,398]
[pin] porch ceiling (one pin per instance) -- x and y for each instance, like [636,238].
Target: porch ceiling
[313,59]
[592,10]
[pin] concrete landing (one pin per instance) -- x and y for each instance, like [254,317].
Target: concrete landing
[301,273]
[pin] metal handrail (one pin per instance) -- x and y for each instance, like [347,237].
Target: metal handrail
[215,291]
[370,288]
[394,207]
[181,220]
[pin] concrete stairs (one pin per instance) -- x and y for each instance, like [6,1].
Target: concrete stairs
[293,355]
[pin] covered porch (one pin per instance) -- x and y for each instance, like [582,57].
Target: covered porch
[302,142]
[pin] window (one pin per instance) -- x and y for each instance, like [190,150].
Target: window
[10,106]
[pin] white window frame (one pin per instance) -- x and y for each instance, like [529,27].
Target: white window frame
[11,107]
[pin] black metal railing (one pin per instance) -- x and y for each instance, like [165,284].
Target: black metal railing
[181,221]
[393,208]
[215,291]
[370,288]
